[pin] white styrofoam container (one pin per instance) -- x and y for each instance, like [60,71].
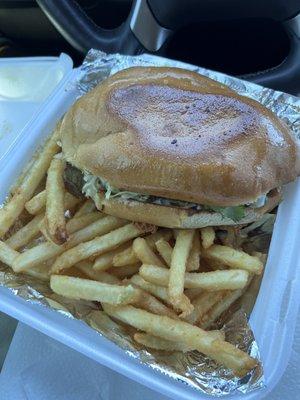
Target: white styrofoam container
[25,83]
[272,320]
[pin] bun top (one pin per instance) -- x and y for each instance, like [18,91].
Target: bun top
[176,134]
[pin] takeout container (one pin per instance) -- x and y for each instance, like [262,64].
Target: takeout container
[272,320]
[25,83]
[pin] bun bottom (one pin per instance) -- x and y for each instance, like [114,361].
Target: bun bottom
[174,217]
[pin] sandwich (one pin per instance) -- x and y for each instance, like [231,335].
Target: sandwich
[172,148]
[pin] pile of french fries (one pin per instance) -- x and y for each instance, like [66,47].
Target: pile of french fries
[170,285]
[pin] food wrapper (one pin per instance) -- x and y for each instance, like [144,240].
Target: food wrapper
[192,368]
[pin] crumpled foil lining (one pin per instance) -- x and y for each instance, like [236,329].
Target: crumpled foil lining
[192,368]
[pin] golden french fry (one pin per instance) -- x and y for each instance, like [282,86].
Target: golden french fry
[24,235]
[234,258]
[37,204]
[190,335]
[96,246]
[151,304]
[15,205]
[126,271]
[128,256]
[217,310]
[98,319]
[105,261]
[87,207]
[125,257]
[208,236]
[261,256]
[250,293]
[85,289]
[46,251]
[177,270]
[55,208]
[77,223]
[157,291]
[158,343]
[144,253]
[193,262]
[215,280]
[7,254]
[165,250]
[44,231]
[203,303]
[87,268]
[154,237]
[39,272]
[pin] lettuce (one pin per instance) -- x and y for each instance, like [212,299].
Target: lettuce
[95,184]
[235,213]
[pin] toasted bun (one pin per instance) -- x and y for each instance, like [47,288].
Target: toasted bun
[176,134]
[174,217]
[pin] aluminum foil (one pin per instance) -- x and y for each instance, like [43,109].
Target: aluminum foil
[192,369]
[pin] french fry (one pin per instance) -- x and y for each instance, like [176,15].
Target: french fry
[234,258]
[215,280]
[44,231]
[105,261]
[55,207]
[151,304]
[144,253]
[7,254]
[87,207]
[46,251]
[15,205]
[39,272]
[80,222]
[261,256]
[157,343]
[87,268]
[98,319]
[217,310]
[208,236]
[175,276]
[161,293]
[154,237]
[126,271]
[203,303]
[128,256]
[37,204]
[193,262]
[157,291]
[165,250]
[85,289]
[96,246]
[125,257]
[24,235]
[179,331]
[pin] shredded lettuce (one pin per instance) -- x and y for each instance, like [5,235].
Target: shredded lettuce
[94,184]
[235,213]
